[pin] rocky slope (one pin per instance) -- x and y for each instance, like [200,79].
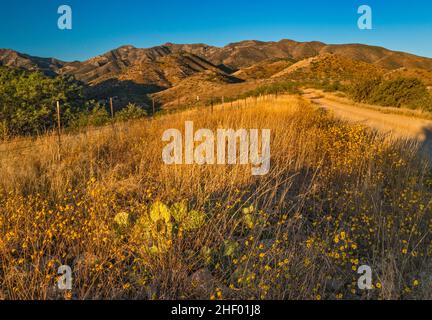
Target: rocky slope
[203,70]
[131,63]
[13,59]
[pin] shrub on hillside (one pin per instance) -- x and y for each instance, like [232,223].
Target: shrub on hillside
[131,112]
[361,91]
[327,86]
[95,115]
[273,88]
[400,92]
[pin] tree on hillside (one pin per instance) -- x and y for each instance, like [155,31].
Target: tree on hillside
[28,99]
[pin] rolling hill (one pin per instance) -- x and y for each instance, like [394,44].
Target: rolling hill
[13,59]
[329,67]
[134,72]
[228,59]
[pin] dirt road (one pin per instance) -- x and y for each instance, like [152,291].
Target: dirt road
[396,125]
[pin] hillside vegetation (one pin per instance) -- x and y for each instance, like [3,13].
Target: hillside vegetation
[338,196]
[27,101]
[28,104]
[398,92]
[186,71]
[363,82]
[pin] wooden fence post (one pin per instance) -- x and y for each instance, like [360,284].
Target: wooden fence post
[58,131]
[112,116]
[4,130]
[112,107]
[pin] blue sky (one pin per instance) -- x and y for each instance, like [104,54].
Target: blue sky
[30,26]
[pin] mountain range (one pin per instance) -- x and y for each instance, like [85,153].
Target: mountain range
[170,69]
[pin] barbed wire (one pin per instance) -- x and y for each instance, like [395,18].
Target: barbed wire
[42,139]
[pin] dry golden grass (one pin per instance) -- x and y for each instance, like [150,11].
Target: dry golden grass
[337,196]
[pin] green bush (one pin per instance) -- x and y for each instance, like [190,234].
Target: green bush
[400,92]
[333,86]
[96,115]
[131,112]
[361,91]
[28,101]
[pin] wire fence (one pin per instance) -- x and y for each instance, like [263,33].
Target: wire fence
[11,149]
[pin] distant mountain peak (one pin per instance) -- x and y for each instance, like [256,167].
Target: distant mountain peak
[14,59]
[233,56]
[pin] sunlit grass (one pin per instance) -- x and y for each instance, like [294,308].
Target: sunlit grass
[338,196]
